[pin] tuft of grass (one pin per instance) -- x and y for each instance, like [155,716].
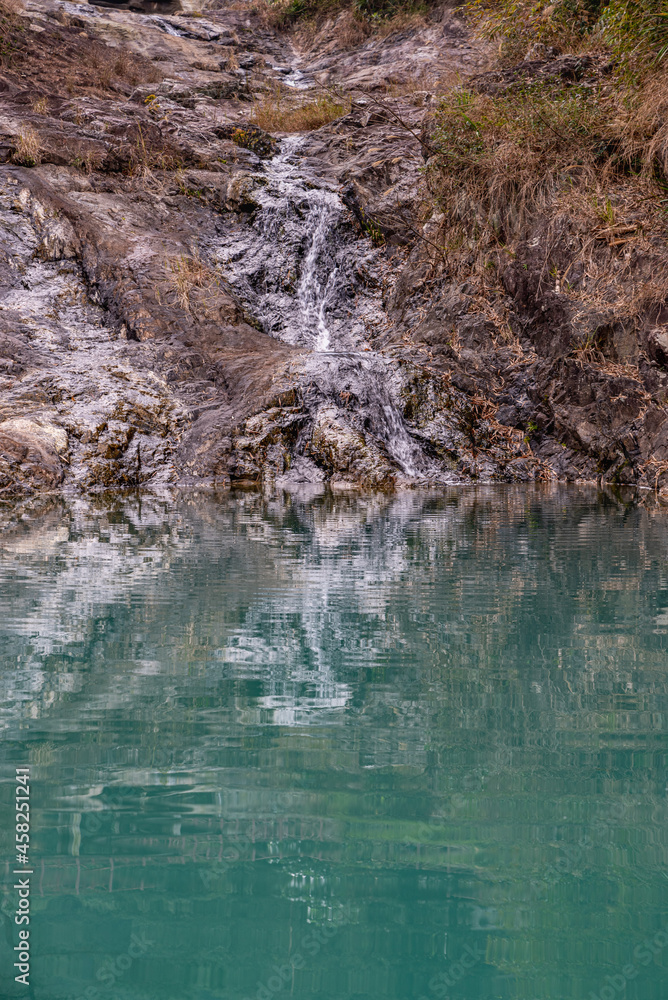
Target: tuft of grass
[40,106]
[636,29]
[146,155]
[104,67]
[10,30]
[187,272]
[276,115]
[584,166]
[28,148]
[350,28]
[89,163]
[642,126]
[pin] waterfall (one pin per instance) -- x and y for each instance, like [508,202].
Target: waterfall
[292,265]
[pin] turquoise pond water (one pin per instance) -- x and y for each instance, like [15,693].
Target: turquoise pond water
[338,748]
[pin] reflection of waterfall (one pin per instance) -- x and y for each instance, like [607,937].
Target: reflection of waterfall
[292,636]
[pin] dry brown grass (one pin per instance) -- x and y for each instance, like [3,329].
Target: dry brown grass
[408,20]
[499,159]
[570,180]
[641,124]
[11,31]
[40,106]
[348,28]
[106,65]
[90,162]
[187,272]
[319,23]
[425,86]
[28,148]
[278,112]
[147,153]
[228,53]
[636,31]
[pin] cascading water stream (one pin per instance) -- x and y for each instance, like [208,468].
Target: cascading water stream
[313,295]
[293,267]
[284,265]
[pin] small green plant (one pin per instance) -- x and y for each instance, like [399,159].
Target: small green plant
[371,229]
[606,212]
[88,163]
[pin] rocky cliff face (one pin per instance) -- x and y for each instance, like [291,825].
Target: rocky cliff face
[187,297]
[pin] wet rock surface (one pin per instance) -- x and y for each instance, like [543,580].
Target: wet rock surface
[186,298]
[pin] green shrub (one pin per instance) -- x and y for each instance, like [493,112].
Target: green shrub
[636,27]
[631,27]
[511,150]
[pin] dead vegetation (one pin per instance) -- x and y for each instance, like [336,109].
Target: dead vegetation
[558,166]
[352,22]
[635,31]
[104,67]
[40,105]
[145,151]
[28,148]
[9,8]
[350,27]
[59,61]
[186,272]
[499,158]
[11,31]
[279,112]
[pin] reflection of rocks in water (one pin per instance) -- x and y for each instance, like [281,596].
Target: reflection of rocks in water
[235,700]
[289,599]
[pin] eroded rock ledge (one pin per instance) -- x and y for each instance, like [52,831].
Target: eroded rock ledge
[134,351]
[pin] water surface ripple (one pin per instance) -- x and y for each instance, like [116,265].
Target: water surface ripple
[339,748]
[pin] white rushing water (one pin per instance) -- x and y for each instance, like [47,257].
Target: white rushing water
[284,265]
[294,266]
